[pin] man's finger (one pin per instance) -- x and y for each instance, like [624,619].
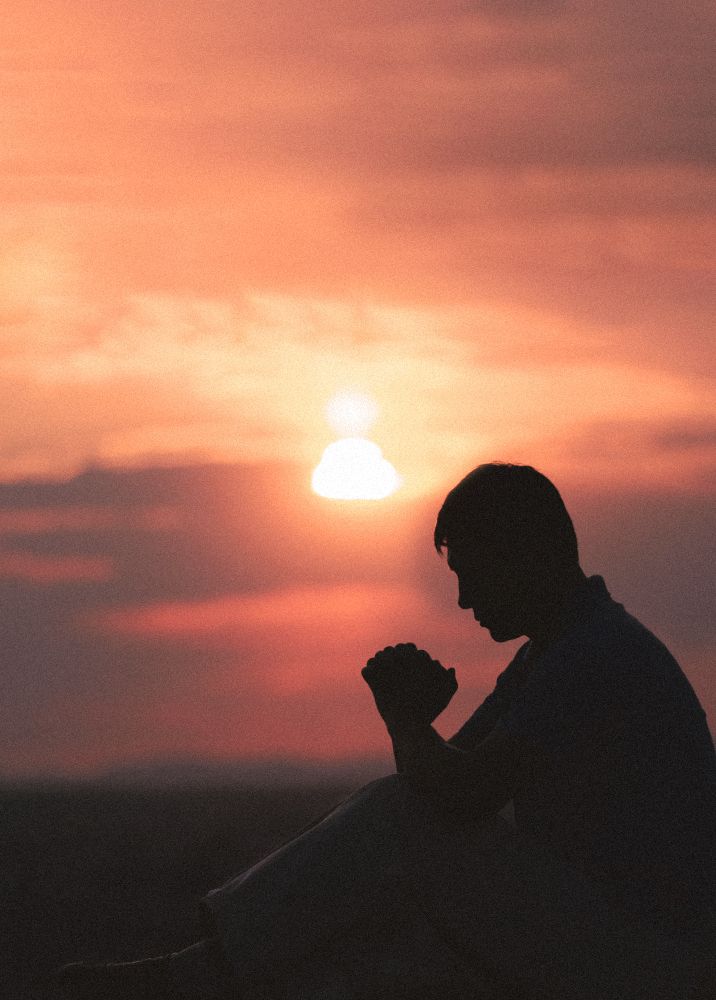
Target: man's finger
[370,669]
[377,668]
[382,656]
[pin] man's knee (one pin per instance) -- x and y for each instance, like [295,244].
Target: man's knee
[389,790]
[390,784]
[392,801]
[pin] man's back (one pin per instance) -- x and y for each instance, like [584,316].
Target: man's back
[620,773]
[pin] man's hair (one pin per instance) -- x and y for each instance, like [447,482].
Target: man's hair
[512,504]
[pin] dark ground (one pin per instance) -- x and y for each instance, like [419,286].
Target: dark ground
[94,873]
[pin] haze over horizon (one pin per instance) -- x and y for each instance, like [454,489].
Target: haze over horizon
[223,612]
[494,219]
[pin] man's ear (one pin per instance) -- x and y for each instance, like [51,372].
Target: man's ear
[544,555]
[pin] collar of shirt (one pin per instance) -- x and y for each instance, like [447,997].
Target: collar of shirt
[581,604]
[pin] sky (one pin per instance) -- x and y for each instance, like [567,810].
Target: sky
[492,218]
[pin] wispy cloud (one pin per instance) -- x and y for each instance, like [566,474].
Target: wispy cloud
[19,565]
[495,218]
[215,218]
[186,379]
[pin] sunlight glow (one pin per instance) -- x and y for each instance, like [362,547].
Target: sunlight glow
[351,413]
[354,469]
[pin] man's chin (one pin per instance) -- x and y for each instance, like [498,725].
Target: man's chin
[501,633]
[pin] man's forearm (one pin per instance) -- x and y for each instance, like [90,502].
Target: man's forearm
[414,746]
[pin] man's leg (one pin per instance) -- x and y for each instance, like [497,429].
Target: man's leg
[554,927]
[489,896]
[384,960]
[425,890]
[347,871]
[333,909]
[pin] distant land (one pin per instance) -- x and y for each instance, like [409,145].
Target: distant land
[258,772]
[97,871]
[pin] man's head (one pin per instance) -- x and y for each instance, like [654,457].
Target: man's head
[512,545]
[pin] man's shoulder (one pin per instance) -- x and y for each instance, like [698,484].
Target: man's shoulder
[612,637]
[618,666]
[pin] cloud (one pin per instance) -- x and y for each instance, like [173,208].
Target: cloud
[201,197]
[676,455]
[180,378]
[478,84]
[689,435]
[255,134]
[25,566]
[493,217]
[23,521]
[294,638]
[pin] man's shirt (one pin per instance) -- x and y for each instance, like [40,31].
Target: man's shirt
[619,769]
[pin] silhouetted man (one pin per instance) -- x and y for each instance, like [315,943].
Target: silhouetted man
[562,844]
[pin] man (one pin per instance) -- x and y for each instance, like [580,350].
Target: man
[604,887]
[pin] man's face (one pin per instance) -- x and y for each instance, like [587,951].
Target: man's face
[495,587]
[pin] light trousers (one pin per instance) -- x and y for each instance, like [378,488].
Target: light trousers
[385,897]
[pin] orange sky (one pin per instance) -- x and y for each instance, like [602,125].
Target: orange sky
[494,218]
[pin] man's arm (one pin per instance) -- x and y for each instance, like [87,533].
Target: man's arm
[410,690]
[484,719]
[480,724]
[475,783]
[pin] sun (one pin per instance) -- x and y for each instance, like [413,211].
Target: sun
[351,413]
[353,468]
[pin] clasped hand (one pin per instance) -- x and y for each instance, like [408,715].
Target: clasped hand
[408,685]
